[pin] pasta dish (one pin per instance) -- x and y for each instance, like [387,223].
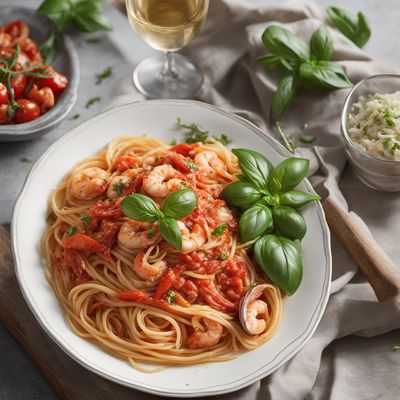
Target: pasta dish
[145,257]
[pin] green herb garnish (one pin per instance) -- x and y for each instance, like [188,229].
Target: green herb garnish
[307,138]
[26,160]
[71,231]
[302,65]
[173,142]
[224,139]
[287,142]
[222,257]
[84,15]
[92,101]
[177,205]
[396,347]
[151,233]
[219,230]
[76,116]
[86,219]
[269,203]
[93,40]
[355,28]
[106,73]
[119,188]
[170,296]
[191,165]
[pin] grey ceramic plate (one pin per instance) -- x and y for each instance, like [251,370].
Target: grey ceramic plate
[67,63]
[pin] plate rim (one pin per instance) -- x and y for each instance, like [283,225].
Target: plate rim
[225,388]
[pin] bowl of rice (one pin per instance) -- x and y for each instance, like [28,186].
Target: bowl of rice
[370,125]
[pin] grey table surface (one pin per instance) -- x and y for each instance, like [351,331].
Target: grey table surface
[122,50]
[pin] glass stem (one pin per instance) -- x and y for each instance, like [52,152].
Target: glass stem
[169,69]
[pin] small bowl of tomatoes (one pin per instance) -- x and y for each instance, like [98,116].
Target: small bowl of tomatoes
[34,95]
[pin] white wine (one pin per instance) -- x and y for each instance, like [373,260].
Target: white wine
[167,25]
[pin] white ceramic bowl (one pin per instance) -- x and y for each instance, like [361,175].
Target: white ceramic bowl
[157,118]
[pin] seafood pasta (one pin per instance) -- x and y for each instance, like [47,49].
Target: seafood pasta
[126,285]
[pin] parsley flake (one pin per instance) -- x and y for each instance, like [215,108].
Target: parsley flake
[170,296]
[224,139]
[76,116]
[191,164]
[25,159]
[103,75]
[119,188]
[222,257]
[71,231]
[219,230]
[151,232]
[92,101]
[86,219]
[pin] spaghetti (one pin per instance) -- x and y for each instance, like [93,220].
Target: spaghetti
[125,288]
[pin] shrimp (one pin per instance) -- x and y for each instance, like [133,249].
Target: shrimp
[89,183]
[209,337]
[191,241]
[209,164]
[147,271]
[162,181]
[221,213]
[44,97]
[136,235]
[256,316]
[125,183]
[5,39]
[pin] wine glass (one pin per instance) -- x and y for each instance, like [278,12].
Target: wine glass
[167,25]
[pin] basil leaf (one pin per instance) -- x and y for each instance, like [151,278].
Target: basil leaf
[60,12]
[254,222]
[289,223]
[140,208]
[169,230]
[255,167]
[273,61]
[288,174]
[323,75]
[284,43]
[281,260]
[88,16]
[321,44]
[297,198]
[240,194]
[284,95]
[354,28]
[179,204]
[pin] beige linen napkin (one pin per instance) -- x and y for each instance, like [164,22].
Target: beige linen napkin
[352,368]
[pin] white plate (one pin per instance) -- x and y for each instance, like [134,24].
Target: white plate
[156,118]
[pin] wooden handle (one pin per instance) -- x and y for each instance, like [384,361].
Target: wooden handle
[375,264]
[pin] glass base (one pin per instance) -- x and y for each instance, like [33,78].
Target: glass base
[150,81]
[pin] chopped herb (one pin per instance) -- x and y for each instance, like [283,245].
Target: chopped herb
[76,116]
[389,117]
[184,185]
[224,139]
[396,146]
[93,40]
[92,100]
[396,347]
[195,134]
[307,138]
[191,164]
[103,75]
[219,230]
[365,129]
[119,188]
[151,233]
[25,159]
[71,231]
[170,296]
[222,256]
[86,219]
[287,142]
[150,167]
[173,142]
[387,141]
[254,284]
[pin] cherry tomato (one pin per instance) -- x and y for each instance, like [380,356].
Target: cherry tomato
[3,93]
[28,112]
[31,49]
[17,29]
[18,83]
[3,114]
[57,82]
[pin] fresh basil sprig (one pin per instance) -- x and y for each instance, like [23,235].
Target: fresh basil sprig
[355,28]
[302,65]
[177,205]
[269,203]
[85,15]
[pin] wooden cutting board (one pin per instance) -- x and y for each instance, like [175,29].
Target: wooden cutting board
[67,377]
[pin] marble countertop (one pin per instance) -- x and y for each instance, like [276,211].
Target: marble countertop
[122,50]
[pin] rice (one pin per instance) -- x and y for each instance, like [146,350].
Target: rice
[374,123]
